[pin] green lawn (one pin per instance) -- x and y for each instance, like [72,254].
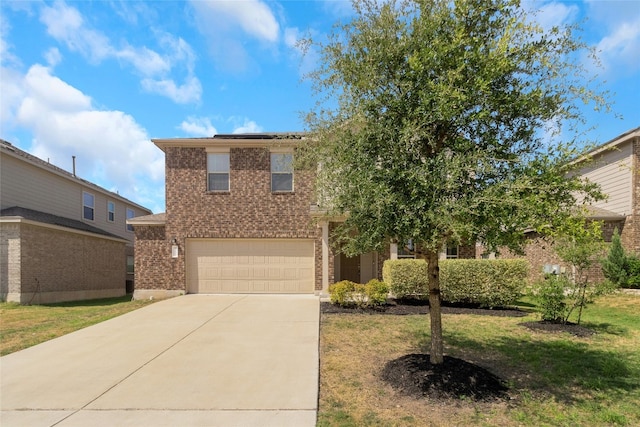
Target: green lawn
[23,326]
[555,379]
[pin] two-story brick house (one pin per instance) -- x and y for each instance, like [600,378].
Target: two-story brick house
[240,219]
[62,238]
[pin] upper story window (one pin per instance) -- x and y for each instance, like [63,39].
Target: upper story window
[111,211]
[130,214]
[88,206]
[281,172]
[218,171]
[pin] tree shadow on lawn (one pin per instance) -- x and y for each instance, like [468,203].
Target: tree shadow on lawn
[564,368]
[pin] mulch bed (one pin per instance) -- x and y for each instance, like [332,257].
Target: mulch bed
[405,307]
[415,376]
[547,326]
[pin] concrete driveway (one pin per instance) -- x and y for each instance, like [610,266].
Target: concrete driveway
[194,360]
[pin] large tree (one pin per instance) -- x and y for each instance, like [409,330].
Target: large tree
[434,129]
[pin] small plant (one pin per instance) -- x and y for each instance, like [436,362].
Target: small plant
[341,292]
[579,244]
[377,292]
[347,293]
[551,298]
[614,266]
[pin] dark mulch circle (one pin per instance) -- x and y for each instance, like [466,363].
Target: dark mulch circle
[548,326]
[415,376]
[405,307]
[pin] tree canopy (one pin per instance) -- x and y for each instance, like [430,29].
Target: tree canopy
[437,130]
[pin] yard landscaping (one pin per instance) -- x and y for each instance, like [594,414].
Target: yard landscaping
[555,378]
[23,326]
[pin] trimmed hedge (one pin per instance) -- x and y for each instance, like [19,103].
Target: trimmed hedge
[489,283]
[406,278]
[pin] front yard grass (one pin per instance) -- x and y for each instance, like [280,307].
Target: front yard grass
[23,326]
[554,379]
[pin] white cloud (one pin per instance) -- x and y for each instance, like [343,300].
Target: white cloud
[198,126]
[253,16]
[189,92]
[53,56]
[622,47]
[65,24]
[112,149]
[230,26]
[618,23]
[249,126]
[555,14]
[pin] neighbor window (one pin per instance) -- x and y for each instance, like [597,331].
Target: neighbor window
[111,211]
[281,172]
[130,214]
[88,206]
[218,171]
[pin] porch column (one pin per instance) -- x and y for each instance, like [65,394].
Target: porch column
[325,257]
[393,251]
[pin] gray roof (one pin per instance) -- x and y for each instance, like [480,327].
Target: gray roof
[47,218]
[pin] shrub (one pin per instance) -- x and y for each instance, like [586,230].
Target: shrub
[376,292]
[341,292]
[489,283]
[347,293]
[407,278]
[614,266]
[633,269]
[551,298]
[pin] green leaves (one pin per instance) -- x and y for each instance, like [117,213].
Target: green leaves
[439,125]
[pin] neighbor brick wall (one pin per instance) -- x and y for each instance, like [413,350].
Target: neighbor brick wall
[248,210]
[56,265]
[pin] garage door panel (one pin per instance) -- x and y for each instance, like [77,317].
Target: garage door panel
[250,266]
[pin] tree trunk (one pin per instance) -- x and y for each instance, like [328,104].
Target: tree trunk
[436,356]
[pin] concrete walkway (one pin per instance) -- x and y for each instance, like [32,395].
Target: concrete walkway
[195,360]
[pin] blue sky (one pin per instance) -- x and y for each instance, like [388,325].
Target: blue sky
[99,79]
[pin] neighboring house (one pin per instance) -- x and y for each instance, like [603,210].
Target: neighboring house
[61,238]
[615,165]
[240,219]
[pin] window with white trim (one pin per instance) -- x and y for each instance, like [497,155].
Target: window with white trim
[452,251]
[130,214]
[88,206]
[218,171]
[111,211]
[281,172]
[406,250]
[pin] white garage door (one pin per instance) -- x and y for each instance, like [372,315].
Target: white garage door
[250,266]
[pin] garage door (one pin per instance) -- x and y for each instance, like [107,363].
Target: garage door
[250,266]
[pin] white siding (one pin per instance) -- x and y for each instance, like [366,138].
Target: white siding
[612,170]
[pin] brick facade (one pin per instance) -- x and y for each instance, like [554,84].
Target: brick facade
[44,265]
[248,210]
